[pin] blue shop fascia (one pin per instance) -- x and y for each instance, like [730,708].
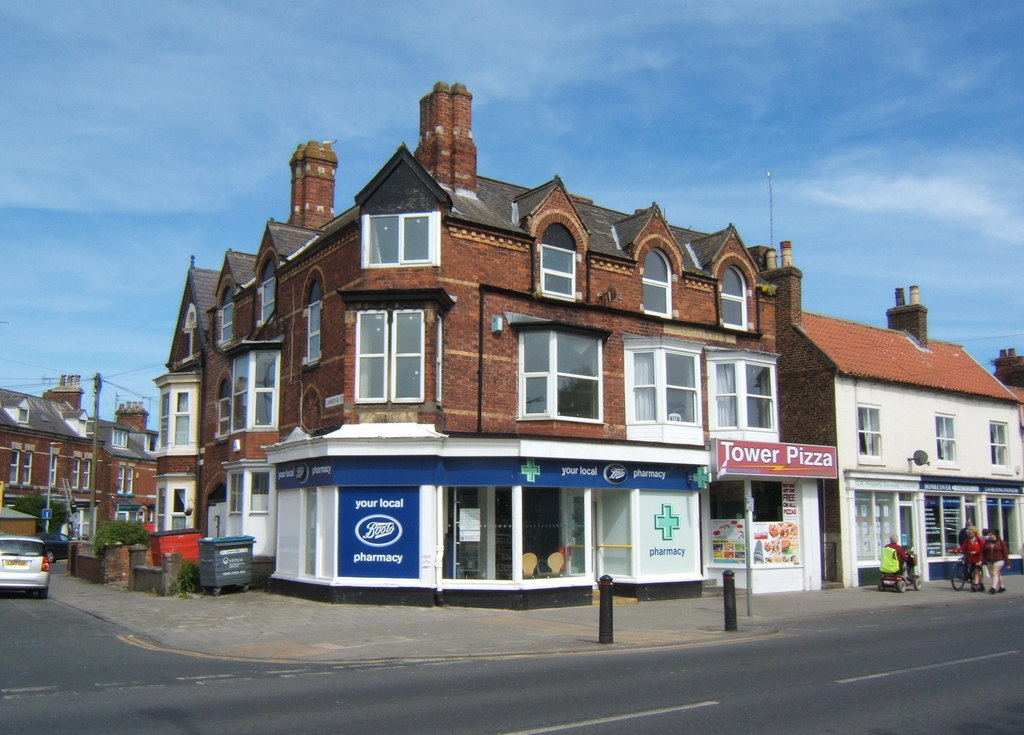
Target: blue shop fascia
[421,518]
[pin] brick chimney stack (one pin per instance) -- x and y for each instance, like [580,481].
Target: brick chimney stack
[313,167]
[1010,368]
[446,148]
[911,318]
[132,414]
[69,391]
[788,282]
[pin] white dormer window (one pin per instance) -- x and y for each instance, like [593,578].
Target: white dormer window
[558,263]
[657,281]
[227,316]
[391,240]
[734,299]
[119,437]
[267,292]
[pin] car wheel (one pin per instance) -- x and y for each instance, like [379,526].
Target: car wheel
[43,593]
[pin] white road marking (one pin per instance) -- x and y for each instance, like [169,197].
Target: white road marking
[940,665]
[606,720]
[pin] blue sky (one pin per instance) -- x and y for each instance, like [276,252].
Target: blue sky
[135,135]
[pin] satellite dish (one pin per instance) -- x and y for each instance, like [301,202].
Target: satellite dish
[920,457]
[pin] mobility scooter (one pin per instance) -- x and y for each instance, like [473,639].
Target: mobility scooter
[905,577]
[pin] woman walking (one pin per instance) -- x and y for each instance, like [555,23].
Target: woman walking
[973,548]
[997,556]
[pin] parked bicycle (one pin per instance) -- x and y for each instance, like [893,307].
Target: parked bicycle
[963,573]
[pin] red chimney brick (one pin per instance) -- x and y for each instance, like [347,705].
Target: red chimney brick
[313,167]
[446,147]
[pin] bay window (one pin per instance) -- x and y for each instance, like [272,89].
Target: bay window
[560,375]
[390,356]
[254,390]
[744,393]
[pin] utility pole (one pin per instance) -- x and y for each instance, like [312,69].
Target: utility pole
[97,384]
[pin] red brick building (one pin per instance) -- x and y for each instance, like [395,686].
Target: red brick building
[463,390]
[46,448]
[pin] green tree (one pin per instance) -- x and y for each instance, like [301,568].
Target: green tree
[33,505]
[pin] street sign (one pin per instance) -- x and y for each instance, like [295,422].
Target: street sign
[47,514]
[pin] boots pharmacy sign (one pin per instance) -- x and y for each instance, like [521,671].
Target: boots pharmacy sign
[771,459]
[379,532]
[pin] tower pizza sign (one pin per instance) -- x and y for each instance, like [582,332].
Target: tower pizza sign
[772,459]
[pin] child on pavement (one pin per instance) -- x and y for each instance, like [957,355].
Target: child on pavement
[997,556]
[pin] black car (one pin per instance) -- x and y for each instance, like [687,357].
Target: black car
[56,545]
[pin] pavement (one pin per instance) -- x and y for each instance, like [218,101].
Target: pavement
[258,626]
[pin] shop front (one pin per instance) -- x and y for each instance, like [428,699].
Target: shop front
[927,515]
[762,514]
[426,519]
[950,504]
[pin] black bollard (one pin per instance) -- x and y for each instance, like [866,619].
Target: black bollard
[604,634]
[729,598]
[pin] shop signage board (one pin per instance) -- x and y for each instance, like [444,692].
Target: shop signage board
[379,530]
[667,534]
[734,457]
[499,471]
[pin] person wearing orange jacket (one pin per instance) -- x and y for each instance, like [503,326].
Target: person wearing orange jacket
[973,547]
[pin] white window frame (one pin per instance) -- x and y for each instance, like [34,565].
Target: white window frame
[869,433]
[741,396]
[125,482]
[547,252]
[731,298]
[227,316]
[119,438]
[245,395]
[553,374]
[189,330]
[313,313]
[660,385]
[945,438]
[433,256]
[653,285]
[52,478]
[259,502]
[267,292]
[999,447]
[236,493]
[390,362]
[224,403]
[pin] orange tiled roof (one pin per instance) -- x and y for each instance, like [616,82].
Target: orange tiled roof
[890,355]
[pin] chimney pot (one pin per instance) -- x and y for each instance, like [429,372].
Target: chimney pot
[787,253]
[915,295]
[771,259]
[901,298]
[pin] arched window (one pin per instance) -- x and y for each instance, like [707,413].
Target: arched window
[657,282]
[227,315]
[190,330]
[313,309]
[268,292]
[734,299]
[558,263]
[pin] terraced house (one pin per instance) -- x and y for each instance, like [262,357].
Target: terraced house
[461,390]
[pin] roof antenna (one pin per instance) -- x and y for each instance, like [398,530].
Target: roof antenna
[771,212]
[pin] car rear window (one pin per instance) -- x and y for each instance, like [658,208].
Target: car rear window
[19,547]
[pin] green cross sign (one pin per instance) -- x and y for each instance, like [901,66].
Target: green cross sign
[530,470]
[667,523]
[700,477]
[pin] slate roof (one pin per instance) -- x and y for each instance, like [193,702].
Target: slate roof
[864,351]
[136,448]
[242,266]
[204,288]
[43,416]
[609,229]
[286,238]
